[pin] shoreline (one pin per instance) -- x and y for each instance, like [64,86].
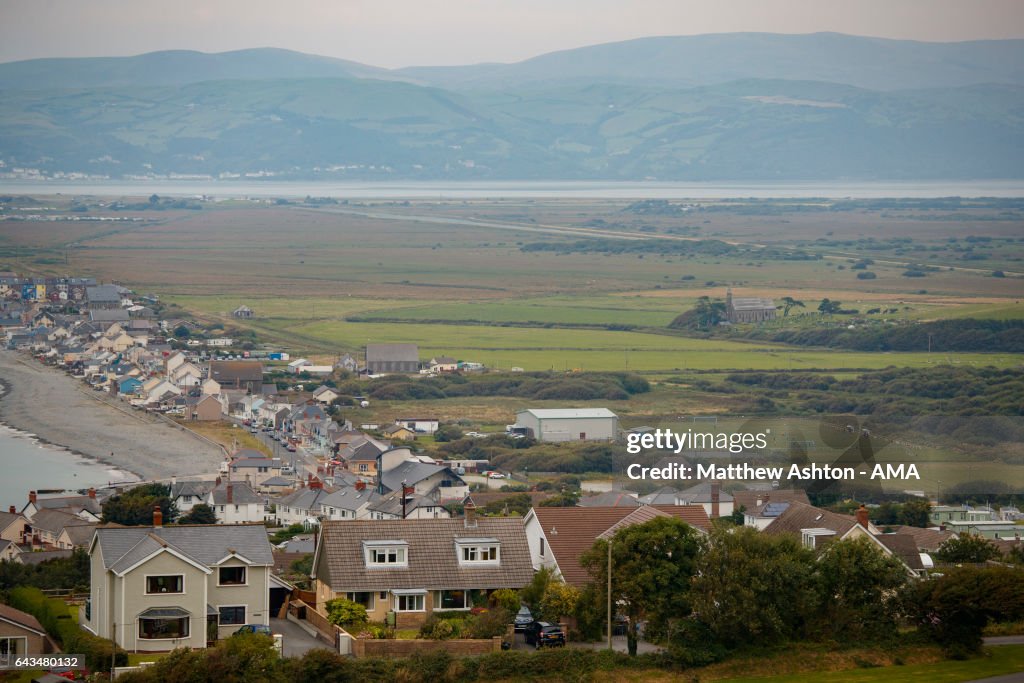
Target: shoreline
[90,429]
[5,391]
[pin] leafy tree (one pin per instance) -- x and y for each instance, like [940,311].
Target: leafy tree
[565,499]
[968,548]
[860,588]
[788,303]
[182,332]
[533,593]
[652,565]
[346,613]
[135,506]
[736,518]
[750,587]
[201,513]
[560,599]
[62,572]
[505,598]
[447,433]
[829,307]
[955,608]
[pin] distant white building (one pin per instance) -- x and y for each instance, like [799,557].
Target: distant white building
[569,424]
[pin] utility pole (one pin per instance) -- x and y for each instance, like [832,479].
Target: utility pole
[609,594]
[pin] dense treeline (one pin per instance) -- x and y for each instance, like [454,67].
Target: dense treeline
[962,335]
[610,386]
[944,390]
[702,247]
[71,573]
[527,454]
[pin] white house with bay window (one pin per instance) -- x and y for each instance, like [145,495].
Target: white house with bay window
[158,588]
[416,566]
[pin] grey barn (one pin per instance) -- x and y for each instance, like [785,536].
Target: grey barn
[381,358]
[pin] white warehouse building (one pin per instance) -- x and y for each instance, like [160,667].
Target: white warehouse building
[569,424]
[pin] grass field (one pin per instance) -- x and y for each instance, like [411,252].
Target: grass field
[996,661]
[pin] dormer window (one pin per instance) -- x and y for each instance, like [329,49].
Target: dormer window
[386,554]
[478,551]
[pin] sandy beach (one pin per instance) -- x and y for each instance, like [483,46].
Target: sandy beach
[60,410]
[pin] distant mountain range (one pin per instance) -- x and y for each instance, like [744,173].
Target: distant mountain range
[714,107]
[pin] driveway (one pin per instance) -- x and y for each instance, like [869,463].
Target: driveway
[296,641]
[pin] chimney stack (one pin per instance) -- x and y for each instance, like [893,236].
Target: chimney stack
[470,510]
[716,494]
[231,491]
[862,516]
[12,510]
[92,493]
[32,497]
[218,482]
[158,517]
[360,485]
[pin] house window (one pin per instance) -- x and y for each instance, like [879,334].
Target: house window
[408,603]
[364,599]
[386,553]
[163,629]
[362,468]
[542,546]
[479,553]
[231,576]
[383,595]
[165,584]
[454,600]
[11,648]
[232,616]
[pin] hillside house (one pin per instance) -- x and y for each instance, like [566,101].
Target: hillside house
[748,309]
[392,358]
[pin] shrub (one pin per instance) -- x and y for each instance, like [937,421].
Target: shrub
[342,612]
[505,598]
[866,275]
[488,624]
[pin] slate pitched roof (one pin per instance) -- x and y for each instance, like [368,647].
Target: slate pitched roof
[54,520]
[236,370]
[75,503]
[241,494]
[749,499]
[304,499]
[409,353]
[80,534]
[433,562]
[207,543]
[610,499]
[349,498]
[411,472]
[40,556]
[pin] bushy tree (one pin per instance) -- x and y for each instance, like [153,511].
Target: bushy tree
[201,513]
[560,600]
[447,433]
[955,608]
[532,594]
[346,613]
[505,598]
[860,590]
[967,548]
[135,506]
[652,565]
[750,587]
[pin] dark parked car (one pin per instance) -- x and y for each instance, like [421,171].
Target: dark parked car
[542,634]
[254,628]
[523,619]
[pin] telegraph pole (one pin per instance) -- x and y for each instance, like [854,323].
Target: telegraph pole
[609,594]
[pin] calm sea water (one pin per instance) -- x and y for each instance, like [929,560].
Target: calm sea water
[26,464]
[524,189]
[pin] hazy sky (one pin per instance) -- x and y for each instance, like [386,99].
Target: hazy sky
[395,33]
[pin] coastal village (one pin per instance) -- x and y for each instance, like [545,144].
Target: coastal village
[317,508]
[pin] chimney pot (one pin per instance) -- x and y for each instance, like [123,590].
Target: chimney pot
[715,498]
[32,497]
[92,493]
[862,516]
[158,517]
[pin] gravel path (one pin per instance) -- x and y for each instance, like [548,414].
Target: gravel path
[61,410]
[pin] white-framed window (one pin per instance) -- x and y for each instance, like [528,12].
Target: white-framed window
[363,598]
[476,551]
[386,553]
[231,576]
[173,583]
[163,629]
[452,599]
[11,647]
[409,603]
